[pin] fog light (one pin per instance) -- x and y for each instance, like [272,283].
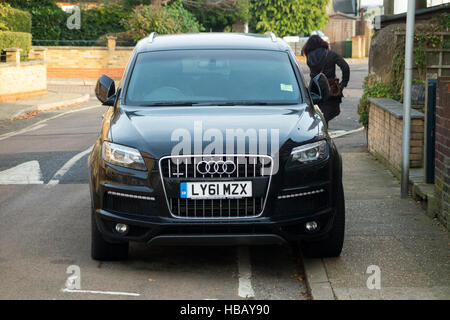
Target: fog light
[311,225]
[121,228]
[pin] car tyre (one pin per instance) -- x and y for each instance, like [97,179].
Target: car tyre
[103,250]
[332,245]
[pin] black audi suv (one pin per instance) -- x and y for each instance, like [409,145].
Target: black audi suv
[210,139]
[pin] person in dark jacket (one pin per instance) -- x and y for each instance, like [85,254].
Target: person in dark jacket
[321,59]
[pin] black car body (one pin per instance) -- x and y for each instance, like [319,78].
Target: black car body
[138,186]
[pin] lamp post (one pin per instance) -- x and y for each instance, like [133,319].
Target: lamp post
[410,16]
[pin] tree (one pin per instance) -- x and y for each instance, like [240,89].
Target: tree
[135,3]
[47,18]
[288,17]
[217,15]
[230,5]
[173,18]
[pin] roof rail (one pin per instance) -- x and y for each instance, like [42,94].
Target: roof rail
[271,35]
[152,37]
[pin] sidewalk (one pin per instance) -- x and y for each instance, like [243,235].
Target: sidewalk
[52,100]
[411,250]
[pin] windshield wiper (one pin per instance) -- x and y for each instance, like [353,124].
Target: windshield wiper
[264,103]
[170,103]
[190,103]
[217,103]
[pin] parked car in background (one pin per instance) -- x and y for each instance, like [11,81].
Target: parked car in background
[305,37]
[297,42]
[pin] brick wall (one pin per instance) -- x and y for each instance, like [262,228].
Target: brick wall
[22,80]
[87,62]
[442,150]
[385,133]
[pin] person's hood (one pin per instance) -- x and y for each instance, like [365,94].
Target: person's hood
[316,57]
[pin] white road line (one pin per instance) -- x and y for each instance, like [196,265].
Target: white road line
[66,167]
[23,131]
[341,133]
[116,293]
[25,173]
[245,273]
[37,124]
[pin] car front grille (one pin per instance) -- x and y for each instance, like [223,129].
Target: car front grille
[185,166]
[176,169]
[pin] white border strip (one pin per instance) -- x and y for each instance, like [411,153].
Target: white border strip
[245,273]
[116,293]
[14,133]
[66,167]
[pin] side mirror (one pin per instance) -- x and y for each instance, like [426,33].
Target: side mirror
[105,90]
[319,88]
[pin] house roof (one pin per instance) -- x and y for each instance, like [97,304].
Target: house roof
[345,6]
[343,15]
[421,14]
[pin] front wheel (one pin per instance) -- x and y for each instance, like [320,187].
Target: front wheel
[332,245]
[103,250]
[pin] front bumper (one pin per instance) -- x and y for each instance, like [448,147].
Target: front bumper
[170,231]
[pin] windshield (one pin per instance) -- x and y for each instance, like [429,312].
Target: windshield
[203,77]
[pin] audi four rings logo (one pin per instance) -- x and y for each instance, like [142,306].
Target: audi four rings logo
[220,167]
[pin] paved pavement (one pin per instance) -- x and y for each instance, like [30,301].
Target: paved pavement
[384,231]
[390,233]
[14,110]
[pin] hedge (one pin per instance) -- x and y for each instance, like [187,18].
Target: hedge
[173,18]
[50,22]
[20,40]
[95,23]
[15,20]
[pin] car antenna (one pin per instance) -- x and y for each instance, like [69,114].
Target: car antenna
[271,35]
[152,36]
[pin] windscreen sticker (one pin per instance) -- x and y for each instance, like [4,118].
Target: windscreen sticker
[286,87]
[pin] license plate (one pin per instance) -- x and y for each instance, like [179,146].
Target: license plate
[216,190]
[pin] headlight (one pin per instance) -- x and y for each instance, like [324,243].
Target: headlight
[309,152]
[122,156]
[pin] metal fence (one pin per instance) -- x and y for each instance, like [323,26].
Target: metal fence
[81,43]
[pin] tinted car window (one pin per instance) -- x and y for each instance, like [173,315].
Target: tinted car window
[228,76]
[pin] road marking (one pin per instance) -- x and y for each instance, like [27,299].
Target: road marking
[25,173]
[341,133]
[116,293]
[26,129]
[245,273]
[69,164]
